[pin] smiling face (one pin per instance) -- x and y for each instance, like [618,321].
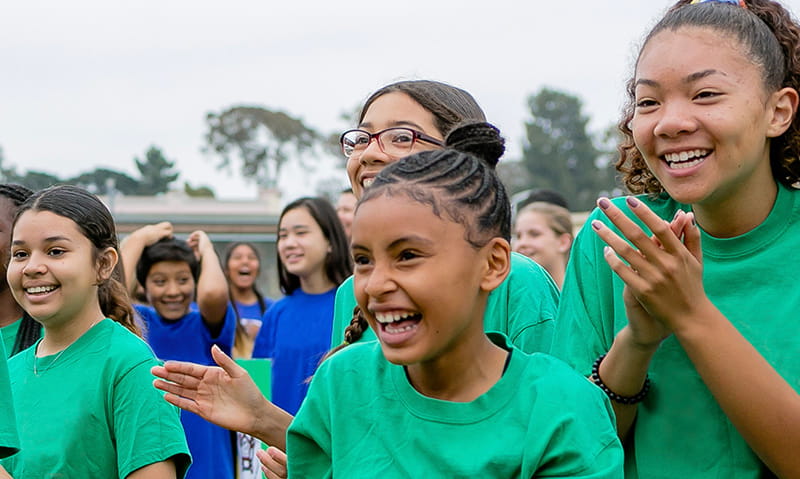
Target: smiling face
[170,288]
[54,269]
[536,239]
[417,280]
[703,118]
[302,246]
[390,110]
[242,267]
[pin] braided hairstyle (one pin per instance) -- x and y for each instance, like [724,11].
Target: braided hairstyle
[97,225]
[29,330]
[458,182]
[770,38]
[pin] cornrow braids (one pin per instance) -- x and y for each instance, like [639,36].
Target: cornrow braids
[29,332]
[16,193]
[770,38]
[455,183]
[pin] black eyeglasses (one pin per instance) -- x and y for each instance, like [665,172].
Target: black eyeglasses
[392,141]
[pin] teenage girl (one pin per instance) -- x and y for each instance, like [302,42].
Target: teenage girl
[543,233]
[81,395]
[18,329]
[242,265]
[691,326]
[436,395]
[313,260]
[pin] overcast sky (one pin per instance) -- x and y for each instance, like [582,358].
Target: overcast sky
[94,83]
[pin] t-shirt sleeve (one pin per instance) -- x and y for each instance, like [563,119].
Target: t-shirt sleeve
[342,311]
[532,306]
[308,440]
[9,442]
[265,339]
[147,429]
[227,334]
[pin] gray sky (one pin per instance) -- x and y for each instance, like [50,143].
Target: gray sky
[94,83]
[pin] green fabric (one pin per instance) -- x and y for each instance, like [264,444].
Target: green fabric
[523,307]
[9,333]
[92,411]
[363,419]
[680,431]
[9,442]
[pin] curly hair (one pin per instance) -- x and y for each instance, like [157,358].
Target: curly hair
[771,38]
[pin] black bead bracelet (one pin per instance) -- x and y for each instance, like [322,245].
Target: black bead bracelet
[636,398]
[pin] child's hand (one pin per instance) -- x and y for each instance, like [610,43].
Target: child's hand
[273,463]
[664,272]
[150,234]
[200,244]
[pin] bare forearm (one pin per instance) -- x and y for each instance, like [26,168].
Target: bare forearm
[270,425]
[758,401]
[212,289]
[131,250]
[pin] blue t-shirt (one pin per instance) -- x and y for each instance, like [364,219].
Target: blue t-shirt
[188,339]
[252,311]
[295,333]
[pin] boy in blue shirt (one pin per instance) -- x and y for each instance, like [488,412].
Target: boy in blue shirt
[170,272]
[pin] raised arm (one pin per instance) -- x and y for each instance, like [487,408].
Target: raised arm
[212,287]
[131,249]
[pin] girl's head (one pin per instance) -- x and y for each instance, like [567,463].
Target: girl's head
[11,198]
[311,241]
[168,271]
[242,265]
[429,109]
[714,81]
[543,232]
[430,240]
[64,258]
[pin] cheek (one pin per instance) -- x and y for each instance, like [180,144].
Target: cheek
[352,171]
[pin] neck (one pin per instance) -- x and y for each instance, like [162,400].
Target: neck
[462,374]
[316,283]
[57,337]
[557,273]
[737,214]
[9,309]
[243,295]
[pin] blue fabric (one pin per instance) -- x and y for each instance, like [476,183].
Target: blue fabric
[253,311]
[188,339]
[295,333]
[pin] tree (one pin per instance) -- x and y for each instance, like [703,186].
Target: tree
[156,173]
[261,138]
[37,180]
[101,181]
[198,192]
[560,154]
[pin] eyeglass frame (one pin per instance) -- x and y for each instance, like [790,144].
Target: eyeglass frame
[415,135]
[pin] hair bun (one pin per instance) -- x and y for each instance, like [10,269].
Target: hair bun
[478,138]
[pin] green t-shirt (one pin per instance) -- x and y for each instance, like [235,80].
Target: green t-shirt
[680,430]
[9,333]
[92,410]
[523,307]
[9,442]
[363,419]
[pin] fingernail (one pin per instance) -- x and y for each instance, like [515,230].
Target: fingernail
[597,224]
[607,250]
[694,223]
[677,213]
[604,203]
[632,202]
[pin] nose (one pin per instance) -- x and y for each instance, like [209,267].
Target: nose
[674,119]
[34,265]
[373,154]
[379,282]
[172,289]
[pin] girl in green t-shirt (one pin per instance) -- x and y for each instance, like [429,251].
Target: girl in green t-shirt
[682,302]
[82,393]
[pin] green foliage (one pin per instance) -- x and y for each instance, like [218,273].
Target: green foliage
[156,172]
[36,180]
[560,154]
[262,139]
[101,181]
[199,192]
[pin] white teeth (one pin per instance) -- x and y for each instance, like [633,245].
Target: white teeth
[367,182]
[686,159]
[391,317]
[393,330]
[40,289]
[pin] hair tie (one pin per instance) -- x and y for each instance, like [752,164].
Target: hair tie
[732,2]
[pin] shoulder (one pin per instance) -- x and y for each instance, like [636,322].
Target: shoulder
[126,347]
[359,358]
[527,273]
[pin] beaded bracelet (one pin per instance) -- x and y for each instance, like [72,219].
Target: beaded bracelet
[636,398]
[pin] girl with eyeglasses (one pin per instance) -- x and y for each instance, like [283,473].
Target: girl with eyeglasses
[681,302]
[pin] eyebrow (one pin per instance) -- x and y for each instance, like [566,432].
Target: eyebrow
[691,78]
[393,124]
[49,239]
[399,241]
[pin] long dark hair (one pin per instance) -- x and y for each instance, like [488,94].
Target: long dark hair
[338,264]
[97,225]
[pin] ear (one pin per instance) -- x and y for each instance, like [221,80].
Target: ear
[564,243]
[106,261]
[498,263]
[784,108]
